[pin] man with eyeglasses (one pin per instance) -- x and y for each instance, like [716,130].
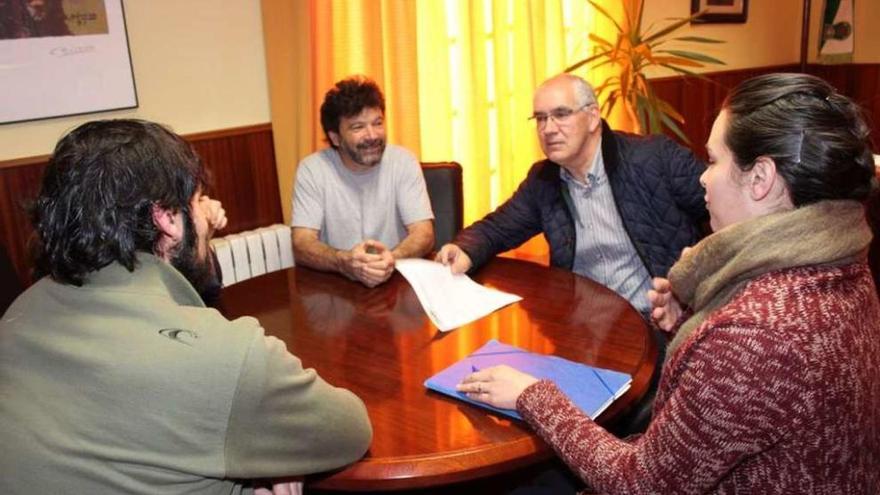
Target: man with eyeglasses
[614,207]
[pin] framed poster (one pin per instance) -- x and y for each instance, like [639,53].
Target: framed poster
[720,10]
[836,38]
[63,57]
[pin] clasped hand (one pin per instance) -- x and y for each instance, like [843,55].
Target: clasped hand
[370,262]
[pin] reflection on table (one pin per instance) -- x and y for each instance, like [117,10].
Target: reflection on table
[380,344]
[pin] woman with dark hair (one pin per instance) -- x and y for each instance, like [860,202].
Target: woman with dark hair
[772,381]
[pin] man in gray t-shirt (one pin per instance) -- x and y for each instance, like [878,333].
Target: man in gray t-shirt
[359,205]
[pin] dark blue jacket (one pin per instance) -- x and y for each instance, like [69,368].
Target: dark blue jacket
[655,183]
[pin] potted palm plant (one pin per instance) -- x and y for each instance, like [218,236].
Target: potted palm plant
[628,91]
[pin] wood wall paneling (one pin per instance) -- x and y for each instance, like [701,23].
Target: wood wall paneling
[699,100]
[240,161]
[243,175]
[861,82]
[18,186]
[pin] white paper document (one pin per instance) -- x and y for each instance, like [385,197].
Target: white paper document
[450,300]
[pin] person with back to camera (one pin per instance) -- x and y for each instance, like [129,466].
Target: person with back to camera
[772,380]
[114,376]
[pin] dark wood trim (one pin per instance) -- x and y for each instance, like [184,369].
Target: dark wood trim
[730,72]
[198,136]
[25,162]
[805,36]
[240,161]
[231,132]
[699,99]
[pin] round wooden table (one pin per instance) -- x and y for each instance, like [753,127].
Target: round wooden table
[379,344]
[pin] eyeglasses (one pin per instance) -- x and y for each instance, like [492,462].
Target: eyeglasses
[560,115]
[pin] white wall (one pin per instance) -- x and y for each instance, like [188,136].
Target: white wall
[770,36]
[199,65]
[772,33]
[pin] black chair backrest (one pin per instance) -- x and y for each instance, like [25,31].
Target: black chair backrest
[10,285]
[445,190]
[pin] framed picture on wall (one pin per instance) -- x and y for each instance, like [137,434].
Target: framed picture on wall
[63,57]
[720,10]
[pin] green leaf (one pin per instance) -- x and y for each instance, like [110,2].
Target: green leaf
[641,14]
[656,126]
[668,29]
[627,16]
[668,109]
[672,126]
[676,61]
[647,30]
[606,14]
[587,60]
[693,56]
[685,71]
[699,39]
[654,110]
[599,40]
[608,106]
[641,111]
[605,86]
[602,64]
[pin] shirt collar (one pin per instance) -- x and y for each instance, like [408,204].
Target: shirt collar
[595,177]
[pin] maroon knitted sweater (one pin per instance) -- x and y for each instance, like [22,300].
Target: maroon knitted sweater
[778,391]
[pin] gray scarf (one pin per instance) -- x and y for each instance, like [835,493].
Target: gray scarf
[825,233]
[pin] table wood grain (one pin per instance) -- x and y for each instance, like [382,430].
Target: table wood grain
[380,344]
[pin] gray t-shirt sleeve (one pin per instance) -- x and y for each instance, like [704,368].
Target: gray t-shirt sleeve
[308,198]
[413,202]
[287,421]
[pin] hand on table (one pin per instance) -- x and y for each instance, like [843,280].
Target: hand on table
[370,262]
[453,256]
[287,488]
[498,386]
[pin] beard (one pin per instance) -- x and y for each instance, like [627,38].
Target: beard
[199,272]
[367,153]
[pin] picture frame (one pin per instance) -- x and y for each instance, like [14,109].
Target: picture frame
[70,58]
[720,11]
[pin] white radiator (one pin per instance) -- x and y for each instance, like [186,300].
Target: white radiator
[253,252]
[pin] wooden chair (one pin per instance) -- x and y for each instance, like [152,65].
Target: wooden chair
[447,199]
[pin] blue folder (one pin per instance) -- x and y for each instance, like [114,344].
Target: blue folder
[591,389]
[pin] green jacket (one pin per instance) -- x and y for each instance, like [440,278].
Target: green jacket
[129,384]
